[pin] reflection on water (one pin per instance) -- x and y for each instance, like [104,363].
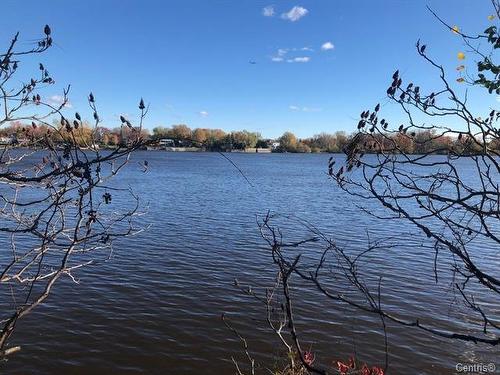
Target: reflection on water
[155,308]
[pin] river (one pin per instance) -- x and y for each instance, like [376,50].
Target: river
[155,307]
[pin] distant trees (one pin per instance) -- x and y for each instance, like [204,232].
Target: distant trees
[262,143]
[302,148]
[215,140]
[242,140]
[419,141]
[181,132]
[200,135]
[85,135]
[210,139]
[176,132]
[161,132]
[288,142]
[325,142]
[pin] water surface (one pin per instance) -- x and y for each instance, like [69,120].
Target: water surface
[155,307]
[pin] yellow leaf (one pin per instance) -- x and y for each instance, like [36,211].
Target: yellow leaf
[460,80]
[455,29]
[491,17]
[460,67]
[461,55]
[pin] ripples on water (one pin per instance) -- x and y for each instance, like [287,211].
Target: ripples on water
[155,308]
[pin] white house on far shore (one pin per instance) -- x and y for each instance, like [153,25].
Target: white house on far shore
[165,142]
[6,140]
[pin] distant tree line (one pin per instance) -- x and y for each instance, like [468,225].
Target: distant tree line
[82,134]
[210,139]
[415,142]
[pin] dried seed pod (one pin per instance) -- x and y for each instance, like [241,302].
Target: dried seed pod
[341,170]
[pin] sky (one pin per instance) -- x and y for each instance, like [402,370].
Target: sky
[306,66]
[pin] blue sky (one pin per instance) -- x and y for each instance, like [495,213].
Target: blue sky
[189,59]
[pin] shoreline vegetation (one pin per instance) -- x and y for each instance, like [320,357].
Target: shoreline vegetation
[180,138]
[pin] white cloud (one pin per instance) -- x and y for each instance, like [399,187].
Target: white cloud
[303,109]
[57,100]
[279,57]
[295,14]
[282,52]
[300,59]
[203,113]
[327,46]
[268,11]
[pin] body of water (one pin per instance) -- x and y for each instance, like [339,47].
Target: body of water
[155,307]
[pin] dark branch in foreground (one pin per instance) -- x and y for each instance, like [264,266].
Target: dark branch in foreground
[56,206]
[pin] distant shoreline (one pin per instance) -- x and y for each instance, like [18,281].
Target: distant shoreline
[248,151]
